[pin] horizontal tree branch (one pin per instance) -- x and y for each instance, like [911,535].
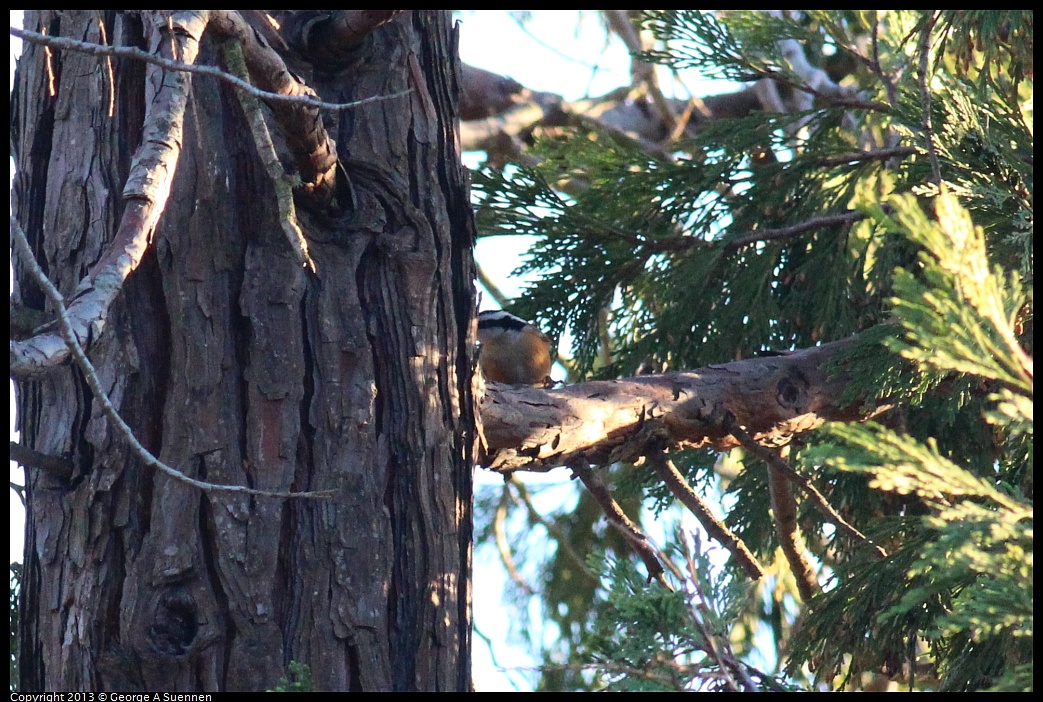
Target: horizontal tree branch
[729,246]
[611,420]
[877,154]
[498,112]
[738,242]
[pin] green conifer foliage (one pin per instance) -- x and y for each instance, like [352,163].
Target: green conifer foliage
[894,203]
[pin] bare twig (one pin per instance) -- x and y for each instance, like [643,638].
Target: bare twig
[500,533]
[683,243]
[212,71]
[877,67]
[818,499]
[719,647]
[694,104]
[642,71]
[833,99]
[476,630]
[617,518]
[266,150]
[924,49]
[90,375]
[877,154]
[20,491]
[155,161]
[520,25]
[788,232]
[669,474]
[563,544]
[498,296]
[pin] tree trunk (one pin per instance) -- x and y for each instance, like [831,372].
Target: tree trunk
[235,365]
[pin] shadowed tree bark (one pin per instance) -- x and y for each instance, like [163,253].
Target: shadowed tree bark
[235,364]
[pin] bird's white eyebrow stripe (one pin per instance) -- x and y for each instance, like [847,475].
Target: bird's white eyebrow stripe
[499,318]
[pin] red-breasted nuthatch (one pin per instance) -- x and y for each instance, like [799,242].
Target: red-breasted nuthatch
[513,351]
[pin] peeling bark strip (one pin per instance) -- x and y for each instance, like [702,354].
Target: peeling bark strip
[314,151]
[612,420]
[173,35]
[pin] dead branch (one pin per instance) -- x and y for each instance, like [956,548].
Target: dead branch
[501,114]
[783,467]
[673,479]
[129,52]
[281,182]
[718,646]
[295,105]
[313,151]
[58,466]
[642,71]
[733,244]
[618,519]
[175,45]
[736,243]
[876,154]
[502,545]
[784,511]
[563,543]
[924,49]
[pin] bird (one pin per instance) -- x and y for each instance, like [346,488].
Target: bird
[513,351]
